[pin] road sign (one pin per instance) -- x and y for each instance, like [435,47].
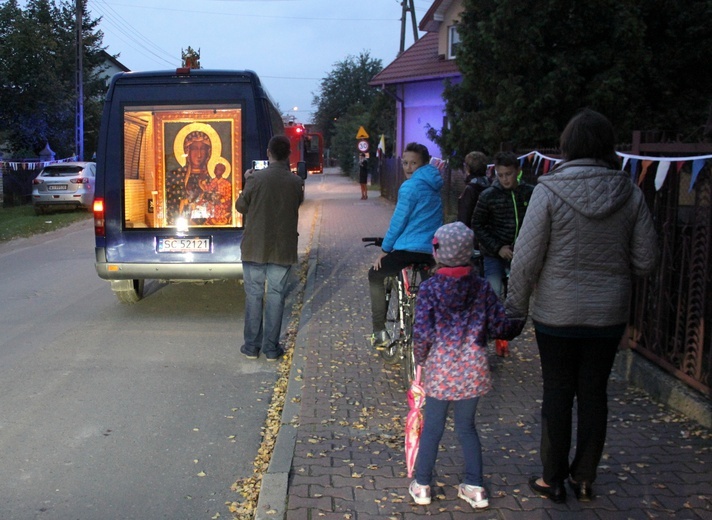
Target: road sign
[362,134]
[363,146]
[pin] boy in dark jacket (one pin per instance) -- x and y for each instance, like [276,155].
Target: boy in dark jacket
[497,220]
[475,183]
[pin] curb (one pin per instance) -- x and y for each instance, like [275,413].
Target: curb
[272,501]
[662,387]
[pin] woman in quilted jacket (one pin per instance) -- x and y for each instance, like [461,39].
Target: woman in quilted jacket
[587,233]
[455,312]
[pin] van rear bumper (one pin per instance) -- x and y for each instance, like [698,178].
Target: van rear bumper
[167,271]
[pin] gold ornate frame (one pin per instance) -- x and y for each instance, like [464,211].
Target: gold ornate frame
[223,127]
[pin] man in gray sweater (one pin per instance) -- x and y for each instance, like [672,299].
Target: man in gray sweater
[270,202]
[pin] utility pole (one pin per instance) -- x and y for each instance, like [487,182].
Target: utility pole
[407,6]
[79,124]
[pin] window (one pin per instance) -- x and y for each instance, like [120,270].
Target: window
[182,163]
[453,41]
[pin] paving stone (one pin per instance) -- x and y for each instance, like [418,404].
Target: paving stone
[348,459]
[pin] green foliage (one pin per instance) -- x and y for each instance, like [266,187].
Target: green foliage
[345,87]
[381,120]
[21,221]
[529,65]
[38,71]
[343,144]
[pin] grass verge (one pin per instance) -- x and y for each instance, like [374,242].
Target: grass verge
[21,221]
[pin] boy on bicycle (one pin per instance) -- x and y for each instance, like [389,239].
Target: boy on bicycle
[418,214]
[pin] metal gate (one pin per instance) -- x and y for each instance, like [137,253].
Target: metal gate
[671,308]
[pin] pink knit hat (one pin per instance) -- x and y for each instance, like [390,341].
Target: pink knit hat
[452,245]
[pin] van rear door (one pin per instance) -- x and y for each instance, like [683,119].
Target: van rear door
[171,155]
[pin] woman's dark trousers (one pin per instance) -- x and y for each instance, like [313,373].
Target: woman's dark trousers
[580,368]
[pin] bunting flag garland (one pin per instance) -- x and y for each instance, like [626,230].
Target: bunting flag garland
[661,174]
[32,165]
[633,169]
[644,172]
[663,167]
[542,164]
[381,151]
[538,160]
[697,165]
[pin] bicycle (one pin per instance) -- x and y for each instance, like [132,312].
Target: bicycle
[401,293]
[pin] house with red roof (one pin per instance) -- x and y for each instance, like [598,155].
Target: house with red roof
[416,78]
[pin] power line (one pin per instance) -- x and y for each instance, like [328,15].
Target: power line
[128,34]
[314,18]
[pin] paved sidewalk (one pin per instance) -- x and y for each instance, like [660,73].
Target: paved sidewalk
[345,413]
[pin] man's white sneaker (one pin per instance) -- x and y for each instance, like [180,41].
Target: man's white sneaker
[476,496]
[420,494]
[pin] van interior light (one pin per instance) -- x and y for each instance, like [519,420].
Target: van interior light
[182,225]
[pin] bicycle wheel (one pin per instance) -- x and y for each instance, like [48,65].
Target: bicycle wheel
[408,358]
[391,353]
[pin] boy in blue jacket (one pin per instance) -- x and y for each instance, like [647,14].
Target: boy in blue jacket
[418,214]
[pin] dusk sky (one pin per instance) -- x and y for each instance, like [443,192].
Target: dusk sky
[291,44]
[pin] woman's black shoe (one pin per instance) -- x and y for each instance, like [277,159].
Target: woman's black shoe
[582,490]
[556,492]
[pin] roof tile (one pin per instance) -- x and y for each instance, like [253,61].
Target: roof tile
[418,63]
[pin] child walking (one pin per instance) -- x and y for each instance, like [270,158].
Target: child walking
[455,313]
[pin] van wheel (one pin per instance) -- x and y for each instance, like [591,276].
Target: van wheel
[128,291]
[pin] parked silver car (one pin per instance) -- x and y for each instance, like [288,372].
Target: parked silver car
[69,184]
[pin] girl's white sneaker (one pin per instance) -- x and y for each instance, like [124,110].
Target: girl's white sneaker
[420,494]
[476,496]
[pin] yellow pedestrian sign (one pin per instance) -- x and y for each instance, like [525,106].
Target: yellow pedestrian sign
[362,134]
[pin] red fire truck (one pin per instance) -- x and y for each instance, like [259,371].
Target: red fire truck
[307,147]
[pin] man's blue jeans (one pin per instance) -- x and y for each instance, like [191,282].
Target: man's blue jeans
[265,292]
[495,270]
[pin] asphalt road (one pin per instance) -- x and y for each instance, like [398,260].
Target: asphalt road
[112,411]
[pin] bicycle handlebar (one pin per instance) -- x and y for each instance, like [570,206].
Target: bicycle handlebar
[373,241]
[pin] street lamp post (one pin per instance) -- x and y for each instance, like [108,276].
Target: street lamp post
[79,124]
[292,118]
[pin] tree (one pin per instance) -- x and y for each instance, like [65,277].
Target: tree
[343,143]
[345,87]
[37,71]
[528,66]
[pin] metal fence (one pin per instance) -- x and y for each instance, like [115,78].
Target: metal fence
[17,182]
[671,308]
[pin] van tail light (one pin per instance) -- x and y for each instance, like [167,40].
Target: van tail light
[99,218]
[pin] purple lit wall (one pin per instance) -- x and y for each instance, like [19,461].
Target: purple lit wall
[422,106]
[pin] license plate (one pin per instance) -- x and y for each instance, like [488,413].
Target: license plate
[52,187]
[183,245]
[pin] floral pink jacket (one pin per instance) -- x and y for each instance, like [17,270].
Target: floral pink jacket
[456,311]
